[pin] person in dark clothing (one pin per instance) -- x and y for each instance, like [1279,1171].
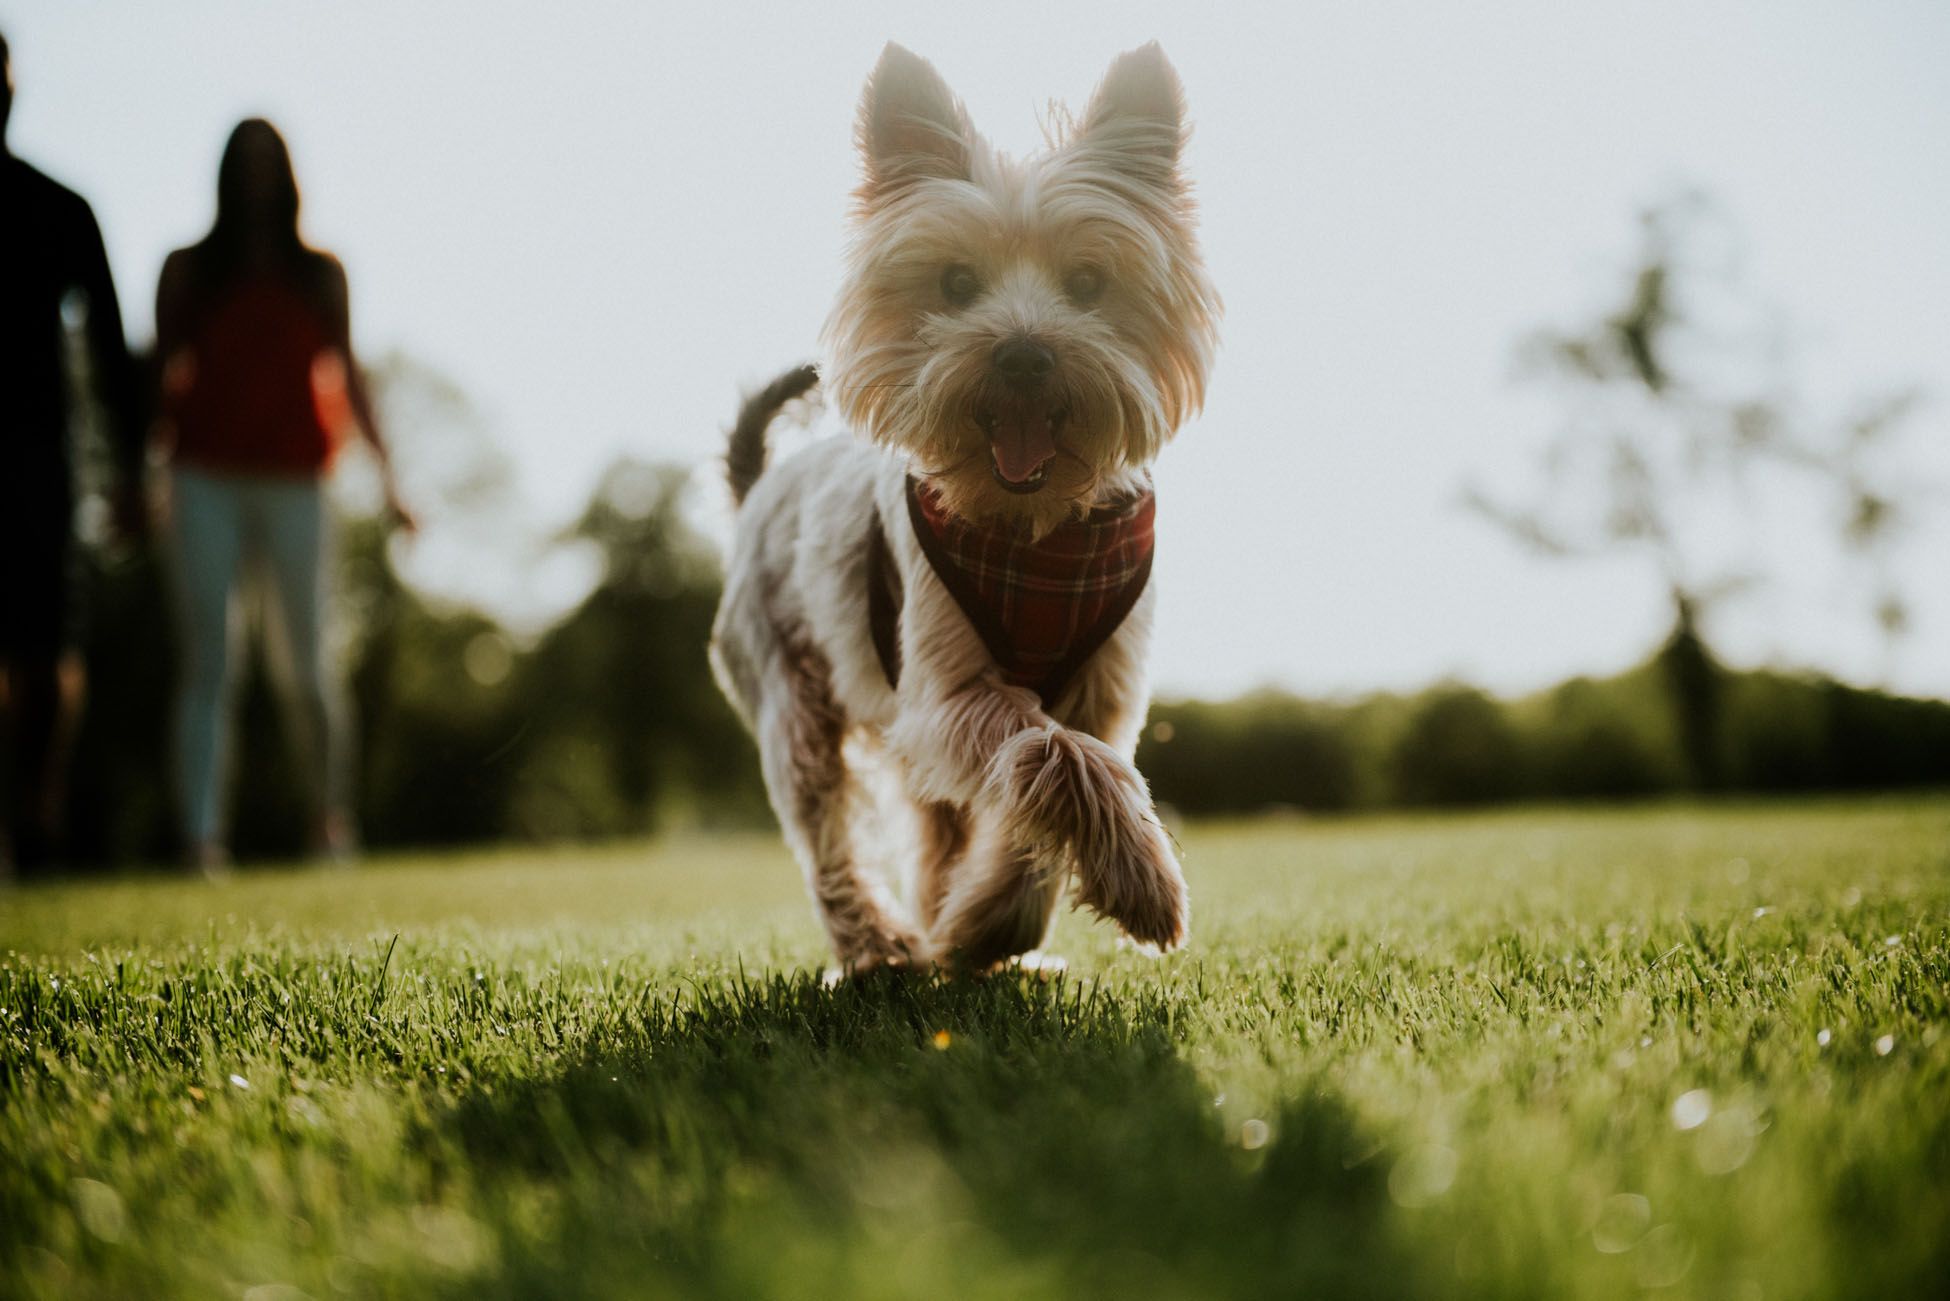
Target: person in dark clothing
[54,280]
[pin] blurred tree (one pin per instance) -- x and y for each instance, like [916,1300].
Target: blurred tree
[1593,740]
[605,720]
[631,730]
[1459,748]
[1676,428]
[440,727]
[1263,750]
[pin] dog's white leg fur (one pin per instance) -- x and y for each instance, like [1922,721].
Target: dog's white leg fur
[792,651]
[800,733]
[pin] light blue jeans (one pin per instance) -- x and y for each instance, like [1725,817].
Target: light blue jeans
[225,526]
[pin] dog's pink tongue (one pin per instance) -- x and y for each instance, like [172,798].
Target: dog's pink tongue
[1022,442]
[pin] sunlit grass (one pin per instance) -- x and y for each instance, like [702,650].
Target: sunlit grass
[1698,1052]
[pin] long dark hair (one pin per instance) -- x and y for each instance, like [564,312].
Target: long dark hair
[219,256]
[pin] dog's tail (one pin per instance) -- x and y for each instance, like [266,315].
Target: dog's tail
[745,456]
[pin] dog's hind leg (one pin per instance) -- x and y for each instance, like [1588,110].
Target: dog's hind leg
[800,731]
[999,904]
[944,830]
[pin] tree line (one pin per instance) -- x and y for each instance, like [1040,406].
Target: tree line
[608,724]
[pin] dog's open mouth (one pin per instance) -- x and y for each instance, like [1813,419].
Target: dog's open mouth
[1022,435]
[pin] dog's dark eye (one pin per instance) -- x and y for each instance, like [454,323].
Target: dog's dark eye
[959,285]
[1085,284]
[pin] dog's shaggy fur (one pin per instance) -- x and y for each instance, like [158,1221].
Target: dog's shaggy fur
[1022,337]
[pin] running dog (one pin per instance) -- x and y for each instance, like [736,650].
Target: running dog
[958,600]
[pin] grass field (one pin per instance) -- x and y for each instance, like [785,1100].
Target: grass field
[1568,1054]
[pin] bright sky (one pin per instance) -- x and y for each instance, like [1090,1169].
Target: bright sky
[602,220]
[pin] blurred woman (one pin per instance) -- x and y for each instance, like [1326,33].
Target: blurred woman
[259,384]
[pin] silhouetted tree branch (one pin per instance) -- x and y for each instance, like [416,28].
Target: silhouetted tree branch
[1671,418]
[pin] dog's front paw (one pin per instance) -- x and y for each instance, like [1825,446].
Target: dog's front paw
[1069,788]
[1038,965]
[881,948]
[1139,887]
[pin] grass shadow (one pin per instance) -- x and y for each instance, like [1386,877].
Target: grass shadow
[892,1137]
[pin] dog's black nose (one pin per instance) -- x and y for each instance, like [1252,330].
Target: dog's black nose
[1023,360]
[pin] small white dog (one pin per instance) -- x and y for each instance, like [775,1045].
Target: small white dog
[963,600]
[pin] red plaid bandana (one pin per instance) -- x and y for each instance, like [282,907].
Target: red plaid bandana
[1044,607]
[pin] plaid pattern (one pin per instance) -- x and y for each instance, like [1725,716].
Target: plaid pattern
[1044,607]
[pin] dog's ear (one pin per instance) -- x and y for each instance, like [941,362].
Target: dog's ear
[911,125]
[1137,117]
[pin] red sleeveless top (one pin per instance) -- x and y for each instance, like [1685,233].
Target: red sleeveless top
[265,389]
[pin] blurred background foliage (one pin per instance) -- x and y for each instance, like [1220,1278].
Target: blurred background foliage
[607,723]
[1586,739]
[513,681]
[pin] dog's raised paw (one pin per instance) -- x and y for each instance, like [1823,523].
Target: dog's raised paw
[1143,892]
[1066,787]
[1069,788]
